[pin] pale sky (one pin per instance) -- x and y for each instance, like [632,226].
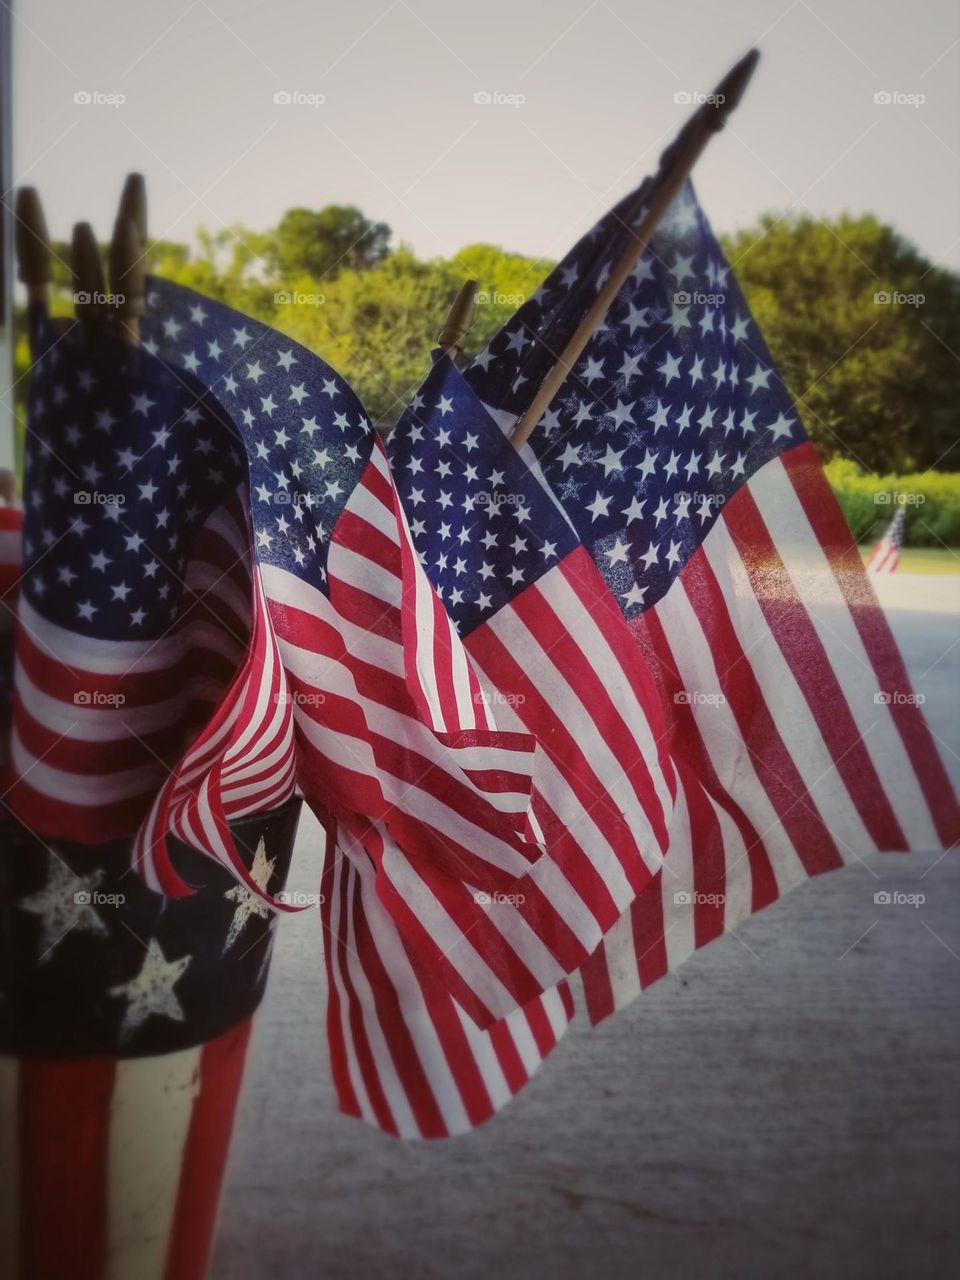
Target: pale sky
[399,133]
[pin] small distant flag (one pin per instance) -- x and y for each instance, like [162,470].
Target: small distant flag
[885,556]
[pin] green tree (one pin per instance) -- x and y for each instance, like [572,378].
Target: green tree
[321,243]
[229,265]
[876,380]
[504,282]
[376,327]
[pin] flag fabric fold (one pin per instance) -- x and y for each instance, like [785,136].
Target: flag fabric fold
[425,782]
[134,608]
[552,648]
[293,638]
[405,1056]
[675,455]
[577,709]
[11,560]
[392,737]
[273,607]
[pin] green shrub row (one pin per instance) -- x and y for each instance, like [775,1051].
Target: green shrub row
[869,501]
[931,500]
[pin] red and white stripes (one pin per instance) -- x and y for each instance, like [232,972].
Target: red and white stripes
[405,1057]
[797,736]
[122,1159]
[243,762]
[492,887]
[97,724]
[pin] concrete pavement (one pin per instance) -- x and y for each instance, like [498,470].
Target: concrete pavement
[783,1107]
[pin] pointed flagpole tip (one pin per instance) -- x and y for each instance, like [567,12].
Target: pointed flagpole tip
[32,240]
[727,95]
[652,202]
[128,276]
[89,286]
[459,319]
[133,203]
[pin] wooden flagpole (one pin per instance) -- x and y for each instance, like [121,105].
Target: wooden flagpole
[451,337]
[675,166]
[133,204]
[89,284]
[128,276]
[32,242]
[128,267]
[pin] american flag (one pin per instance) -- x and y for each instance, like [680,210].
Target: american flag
[676,467]
[125,1019]
[425,795]
[11,529]
[552,650]
[405,1055]
[885,556]
[256,561]
[133,618]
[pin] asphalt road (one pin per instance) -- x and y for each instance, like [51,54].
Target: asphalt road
[779,1109]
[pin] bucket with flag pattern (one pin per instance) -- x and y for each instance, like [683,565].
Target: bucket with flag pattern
[125,1019]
